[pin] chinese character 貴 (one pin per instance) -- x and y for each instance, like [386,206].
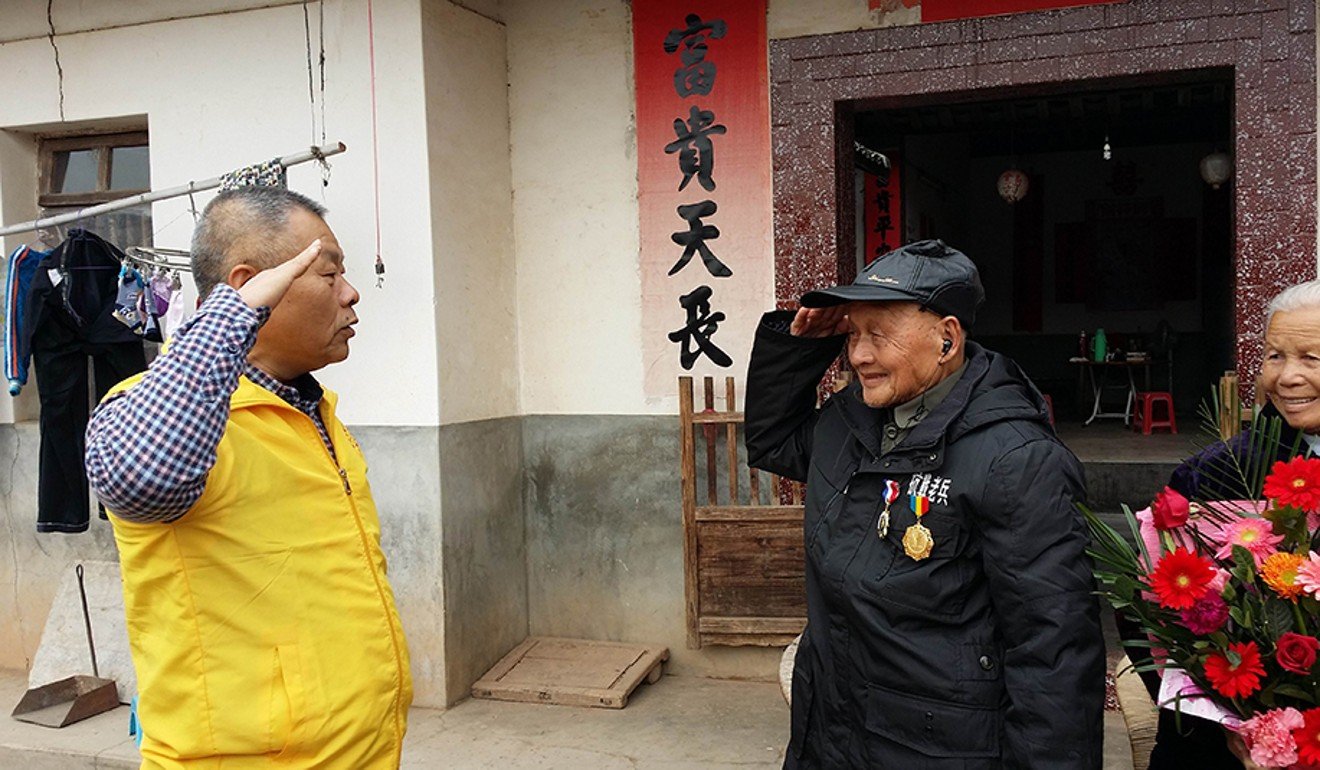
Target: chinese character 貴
[696,152]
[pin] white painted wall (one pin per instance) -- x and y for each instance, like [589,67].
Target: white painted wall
[571,100]
[471,213]
[27,18]
[575,206]
[227,90]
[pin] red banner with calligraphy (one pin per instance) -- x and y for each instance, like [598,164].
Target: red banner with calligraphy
[947,10]
[703,176]
[882,210]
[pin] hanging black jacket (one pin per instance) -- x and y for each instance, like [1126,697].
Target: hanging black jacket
[74,288]
[987,654]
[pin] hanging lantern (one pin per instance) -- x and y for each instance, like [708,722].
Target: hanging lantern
[1216,168]
[1013,185]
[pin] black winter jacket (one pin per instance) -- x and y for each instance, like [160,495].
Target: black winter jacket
[987,654]
[74,291]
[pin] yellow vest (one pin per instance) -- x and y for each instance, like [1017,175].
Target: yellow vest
[262,626]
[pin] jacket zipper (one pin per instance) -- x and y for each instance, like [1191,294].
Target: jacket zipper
[380,590]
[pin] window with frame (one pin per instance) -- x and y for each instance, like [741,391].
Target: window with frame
[78,172]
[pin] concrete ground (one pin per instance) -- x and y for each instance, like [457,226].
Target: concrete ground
[680,723]
[1110,441]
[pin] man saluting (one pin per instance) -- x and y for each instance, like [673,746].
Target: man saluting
[951,619]
[262,626]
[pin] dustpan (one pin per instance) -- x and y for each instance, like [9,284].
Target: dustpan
[73,699]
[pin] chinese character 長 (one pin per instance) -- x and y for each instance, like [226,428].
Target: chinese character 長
[700,327]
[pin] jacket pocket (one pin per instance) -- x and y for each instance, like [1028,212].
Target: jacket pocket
[288,701]
[931,727]
[935,585]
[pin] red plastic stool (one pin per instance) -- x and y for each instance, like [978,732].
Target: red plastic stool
[1049,406]
[1138,406]
[1144,409]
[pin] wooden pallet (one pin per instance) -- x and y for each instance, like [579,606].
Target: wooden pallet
[572,672]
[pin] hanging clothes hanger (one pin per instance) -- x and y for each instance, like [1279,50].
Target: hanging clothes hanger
[164,259]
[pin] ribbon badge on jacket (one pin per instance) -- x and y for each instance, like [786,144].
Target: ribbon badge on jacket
[891,495]
[917,540]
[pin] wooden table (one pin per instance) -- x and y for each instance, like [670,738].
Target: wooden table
[1099,382]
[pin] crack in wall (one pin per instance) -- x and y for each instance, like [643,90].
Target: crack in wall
[13,543]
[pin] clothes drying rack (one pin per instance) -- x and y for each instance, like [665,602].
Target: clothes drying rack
[169,259]
[312,153]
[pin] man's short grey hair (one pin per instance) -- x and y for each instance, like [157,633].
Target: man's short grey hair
[245,226]
[1303,296]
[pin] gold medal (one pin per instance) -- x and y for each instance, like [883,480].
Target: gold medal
[917,540]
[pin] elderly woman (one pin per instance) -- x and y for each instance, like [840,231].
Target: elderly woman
[1290,381]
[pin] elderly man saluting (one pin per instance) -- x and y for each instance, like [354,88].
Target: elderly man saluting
[951,621]
[262,627]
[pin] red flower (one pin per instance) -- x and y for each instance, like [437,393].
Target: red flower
[1235,681]
[1296,652]
[1308,738]
[1181,578]
[1295,483]
[1170,509]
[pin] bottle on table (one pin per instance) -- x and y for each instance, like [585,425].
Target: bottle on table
[1099,346]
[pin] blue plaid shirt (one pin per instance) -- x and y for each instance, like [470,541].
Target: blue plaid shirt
[150,449]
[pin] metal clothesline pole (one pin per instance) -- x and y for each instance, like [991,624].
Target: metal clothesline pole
[313,153]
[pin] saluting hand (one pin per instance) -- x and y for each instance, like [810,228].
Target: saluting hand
[819,322]
[268,287]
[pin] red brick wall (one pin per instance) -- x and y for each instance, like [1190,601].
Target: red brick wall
[1269,45]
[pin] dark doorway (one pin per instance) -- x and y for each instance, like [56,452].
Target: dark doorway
[819,83]
[1117,229]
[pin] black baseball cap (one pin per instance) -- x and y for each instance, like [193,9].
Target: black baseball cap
[937,276]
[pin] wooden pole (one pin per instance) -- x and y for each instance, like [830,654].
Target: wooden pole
[1230,406]
[688,471]
[731,439]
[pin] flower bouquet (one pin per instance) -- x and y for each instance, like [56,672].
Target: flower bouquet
[1226,589]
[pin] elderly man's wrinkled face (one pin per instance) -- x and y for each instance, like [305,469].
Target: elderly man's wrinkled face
[1291,373]
[895,348]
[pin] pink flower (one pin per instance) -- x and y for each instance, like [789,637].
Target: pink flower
[1308,575]
[1255,535]
[1269,737]
[1218,582]
[1207,616]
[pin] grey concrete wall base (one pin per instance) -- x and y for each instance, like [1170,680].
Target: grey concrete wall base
[605,539]
[33,564]
[64,651]
[484,551]
[404,471]
[1112,485]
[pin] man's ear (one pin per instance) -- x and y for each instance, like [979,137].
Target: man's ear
[240,274]
[950,328]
